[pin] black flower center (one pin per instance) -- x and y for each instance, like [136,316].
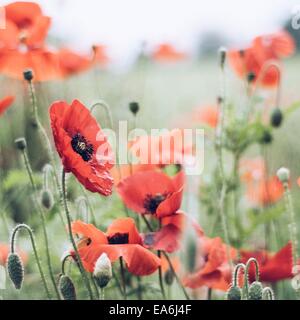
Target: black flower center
[118,238]
[151,202]
[81,146]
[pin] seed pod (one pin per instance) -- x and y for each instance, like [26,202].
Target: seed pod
[251,77]
[134,107]
[102,271]
[15,270]
[234,293]
[283,175]
[28,75]
[21,143]
[255,291]
[47,199]
[67,288]
[276,118]
[266,137]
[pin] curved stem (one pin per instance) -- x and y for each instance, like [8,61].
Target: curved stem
[38,262]
[236,271]
[246,277]
[268,293]
[78,259]
[42,217]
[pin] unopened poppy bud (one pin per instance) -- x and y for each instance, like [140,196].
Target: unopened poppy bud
[134,107]
[102,271]
[251,77]
[234,293]
[266,137]
[28,75]
[169,277]
[256,291]
[15,269]
[21,143]
[67,288]
[283,175]
[222,52]
[47,199]
[276,118]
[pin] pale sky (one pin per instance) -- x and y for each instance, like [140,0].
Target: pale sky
[124,24]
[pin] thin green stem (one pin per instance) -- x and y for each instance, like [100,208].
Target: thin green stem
[42,217]
[246,276]
[78,259]
[160,277]
[123,277]
[37,259]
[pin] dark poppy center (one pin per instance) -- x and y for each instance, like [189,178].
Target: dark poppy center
[81,146]
[118,238]
[151,202]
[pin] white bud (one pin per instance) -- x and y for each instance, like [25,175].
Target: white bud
[283,174]
[102,271]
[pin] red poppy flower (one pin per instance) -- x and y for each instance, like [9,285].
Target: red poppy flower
[25,24]
[72,62]
[171,147]
[126,170]
[121,240]
[208,115]
[167,53]
[43,63]
[263,49]
[5,103]
[152,192]
[5,251]
[169,237]
[82,146]
[212,267]
[252,170]
[265,192]
[272,267]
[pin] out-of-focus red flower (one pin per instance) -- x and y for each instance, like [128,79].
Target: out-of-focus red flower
[171,147]
[169,237]
[25,24]
[165,266]
[22,43]
[263,50]
[208,115]
[123,171]
[152,192]
[212,267]
[4,252]
[82,146]
[43,63]
[5,103]
[167,53]
[121,240]
[252,170]
[72,63]
[272,267]
[100,56]
[265,191]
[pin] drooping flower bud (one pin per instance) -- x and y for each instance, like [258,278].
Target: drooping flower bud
[21,143]
[47,199]
[169,277]
[15,270]
[234,293]
[283,175]
[276,118]
[255,291]
[103,271]
[134,107]
[266,137]
[67,288]
[28,74]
